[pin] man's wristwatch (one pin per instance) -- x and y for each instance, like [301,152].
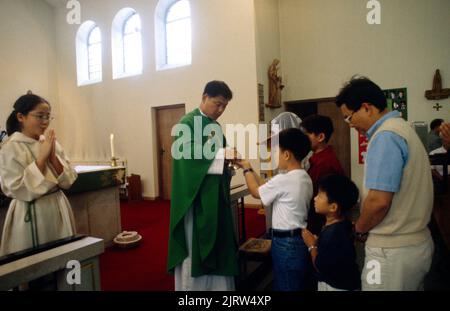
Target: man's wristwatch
[247,170]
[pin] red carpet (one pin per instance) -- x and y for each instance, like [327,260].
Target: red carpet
[144,268]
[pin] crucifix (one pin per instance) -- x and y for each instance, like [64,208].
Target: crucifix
[437,92]
[437,106]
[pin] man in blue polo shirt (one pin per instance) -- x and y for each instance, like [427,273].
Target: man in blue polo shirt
[397,195]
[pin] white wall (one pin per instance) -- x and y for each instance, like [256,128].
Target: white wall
[323,43]
[223,48]
[27,53]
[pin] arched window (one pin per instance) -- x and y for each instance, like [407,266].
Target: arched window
[89,53]
[95,54]
[178,33]
[173,33]
[126,44]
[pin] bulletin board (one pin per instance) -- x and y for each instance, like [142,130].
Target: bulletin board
[397,99]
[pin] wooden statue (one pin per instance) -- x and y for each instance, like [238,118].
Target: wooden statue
[275,85]
[437,92]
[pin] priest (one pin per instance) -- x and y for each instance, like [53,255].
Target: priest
[202,242]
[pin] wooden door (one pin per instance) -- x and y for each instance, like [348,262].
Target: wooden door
[166,118]
[340,140]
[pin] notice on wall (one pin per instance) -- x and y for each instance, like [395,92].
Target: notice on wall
[397,100]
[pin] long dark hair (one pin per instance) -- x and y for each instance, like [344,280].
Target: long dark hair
[23,105]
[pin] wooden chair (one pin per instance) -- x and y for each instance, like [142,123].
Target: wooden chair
[134,188]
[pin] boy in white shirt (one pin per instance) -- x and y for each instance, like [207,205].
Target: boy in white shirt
[290,194]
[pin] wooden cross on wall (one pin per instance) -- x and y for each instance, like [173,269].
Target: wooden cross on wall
[437,92]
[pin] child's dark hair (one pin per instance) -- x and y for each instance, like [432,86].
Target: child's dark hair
[218,88]
[317,124]
[361,90]
[435,123]
[295,141]
[340,190]
[23,105]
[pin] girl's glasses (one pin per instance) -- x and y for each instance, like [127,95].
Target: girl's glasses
[43,117]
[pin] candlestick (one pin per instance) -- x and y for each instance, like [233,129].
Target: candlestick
[114,162]
[112,145]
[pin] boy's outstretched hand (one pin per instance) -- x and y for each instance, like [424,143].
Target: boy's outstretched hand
[309,238]
[242,163]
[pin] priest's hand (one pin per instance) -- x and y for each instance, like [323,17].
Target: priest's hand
[231,154]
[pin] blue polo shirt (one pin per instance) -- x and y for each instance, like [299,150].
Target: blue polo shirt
[386,157]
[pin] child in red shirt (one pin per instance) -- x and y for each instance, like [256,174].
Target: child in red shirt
[323,162]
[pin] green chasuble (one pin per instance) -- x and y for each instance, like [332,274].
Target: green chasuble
[214,247]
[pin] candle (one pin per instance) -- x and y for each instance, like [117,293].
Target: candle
[112,145]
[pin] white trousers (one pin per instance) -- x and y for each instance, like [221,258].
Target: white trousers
[397,269]
[324,287]
[183,279]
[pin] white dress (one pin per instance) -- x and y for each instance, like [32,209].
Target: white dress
[51,218]
[183,279]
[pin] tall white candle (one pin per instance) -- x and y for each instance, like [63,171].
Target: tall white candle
[112,145]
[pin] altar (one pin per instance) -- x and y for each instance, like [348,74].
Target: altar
[95,201]
[52,262]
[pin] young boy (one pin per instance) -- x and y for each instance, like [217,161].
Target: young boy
[290,194]
[323,162]
[333,253]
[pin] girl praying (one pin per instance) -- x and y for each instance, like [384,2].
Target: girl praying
[33,170]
